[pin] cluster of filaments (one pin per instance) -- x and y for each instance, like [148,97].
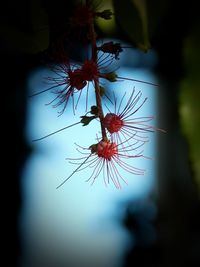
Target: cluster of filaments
[123,134]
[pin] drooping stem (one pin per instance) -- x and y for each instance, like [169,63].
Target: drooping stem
[96,82]
[50,134]
[74,171]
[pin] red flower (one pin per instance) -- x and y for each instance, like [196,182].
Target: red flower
[123,125]
[74,80]
[90,70]
[83,16]
[68,80]
[107,158]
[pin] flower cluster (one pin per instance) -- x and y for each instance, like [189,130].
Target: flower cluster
[123,133]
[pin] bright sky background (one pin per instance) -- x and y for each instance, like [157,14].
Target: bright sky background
[78,224]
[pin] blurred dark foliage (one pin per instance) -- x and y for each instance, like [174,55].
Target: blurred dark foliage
[177,222]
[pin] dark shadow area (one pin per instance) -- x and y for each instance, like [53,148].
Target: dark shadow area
[176,225]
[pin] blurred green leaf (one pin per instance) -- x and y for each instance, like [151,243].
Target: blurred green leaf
[138,19]
[189,97]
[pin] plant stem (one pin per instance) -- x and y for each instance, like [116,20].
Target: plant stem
[66,127]
[96,82]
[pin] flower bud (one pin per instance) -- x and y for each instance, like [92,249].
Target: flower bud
[94,110]
[112,48]
[93,148]
[106,14]
[111,76]
[102,90]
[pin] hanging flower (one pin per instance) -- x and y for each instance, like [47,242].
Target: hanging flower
[123,133]
[122,123]
[90,70]
[108,159]
[70,81]
[82,16]
[67,81]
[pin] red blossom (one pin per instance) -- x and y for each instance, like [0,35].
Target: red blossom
[90,70]
[123,124]
[108,159]
[77,79]
[106,150]
[66,81]
[113,123]
[123,133]
[83,16]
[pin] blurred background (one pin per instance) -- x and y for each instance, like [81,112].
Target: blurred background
[154,224]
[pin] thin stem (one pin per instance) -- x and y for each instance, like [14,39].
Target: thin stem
[96,82]
[74,171]
[100,110]
[38,139]
[136,80]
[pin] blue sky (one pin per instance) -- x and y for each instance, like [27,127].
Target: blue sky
[78,223]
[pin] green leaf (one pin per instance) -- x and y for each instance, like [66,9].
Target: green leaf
[87,119]
[138,19]
[189,95]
